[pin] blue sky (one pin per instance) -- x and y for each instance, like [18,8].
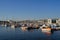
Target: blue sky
[29,9]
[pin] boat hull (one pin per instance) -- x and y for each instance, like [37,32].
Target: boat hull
[46,30]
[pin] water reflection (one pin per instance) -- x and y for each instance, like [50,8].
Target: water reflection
[49,33]
[27,34]
[32,30]
[41,37]
[24,29]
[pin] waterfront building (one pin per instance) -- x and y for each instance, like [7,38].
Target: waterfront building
[49,21]
[58,22]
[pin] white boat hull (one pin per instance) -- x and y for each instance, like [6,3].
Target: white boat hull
[46,30]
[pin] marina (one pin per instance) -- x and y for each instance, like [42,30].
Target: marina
[31,30]
[29,19]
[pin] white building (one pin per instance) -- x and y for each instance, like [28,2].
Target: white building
[58,21]
[49,21]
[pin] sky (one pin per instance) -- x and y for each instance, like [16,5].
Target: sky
[29,9]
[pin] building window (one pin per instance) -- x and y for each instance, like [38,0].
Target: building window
[54,21]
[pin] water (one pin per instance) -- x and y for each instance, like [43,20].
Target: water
[8,33]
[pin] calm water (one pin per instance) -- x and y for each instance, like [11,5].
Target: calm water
[8,33]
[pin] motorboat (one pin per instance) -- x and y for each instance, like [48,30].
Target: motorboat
[45,28]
